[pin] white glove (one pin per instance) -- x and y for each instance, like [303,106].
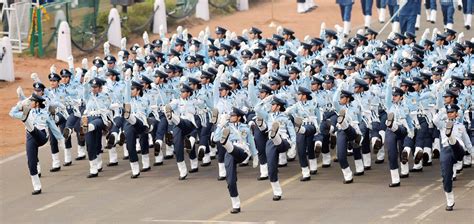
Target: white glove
[360,31]
[70,61]
[233,36]
[217,43]
[425,34]
[123,44]
[433,35]
[100,71]
[146,40]
[207,31]
[62,144]
[220,70]
[391,35]
[161,31]
[114,106]
[94,69]
[87,76]
[333,43]
[307,39]
[201,36]
[251,76]
[52,69]
[282,61]
[128,74]
[269,66]
[405,54]
[35,77]
[192,50]
[19,92]
[179,30]
[85,63]
[106,48]
[245,33]
[255,161]
[243,46]
[185,35]
[233,52]
[461,38]
[174,61]
[165,45]
[228,35]
[411,134]
[173,38]
[322,30]
[451,66]
[78,72]
[300,50]
[140,53]
[307,69]
[279,30]
[339,29]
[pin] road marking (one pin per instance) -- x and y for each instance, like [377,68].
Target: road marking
[259,195]
[201,221]
[54,203]
[425,214]
[412,201]
[119,175]
[8,159]
[470,184]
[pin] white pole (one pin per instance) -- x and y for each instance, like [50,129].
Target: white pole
[243,5]
[6,60]
[114,34]
[64,49]
[159,18]
[202,10]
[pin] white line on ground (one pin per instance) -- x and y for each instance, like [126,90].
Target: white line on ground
[54,203]
[426,213]
[119,175]
[8,159]
[201,221]
[470,184]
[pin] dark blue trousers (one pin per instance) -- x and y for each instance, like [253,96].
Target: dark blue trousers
[261,139]
[346,11]
[324,127]
[305,145]
[34,140]
[423,136]
[52,139]
[94,138]
[74,123]
[131,134]
[407,23]
[231,160]
[343,138]
[394,145]
[448,157]
[367,7]
[272,152]
[381,4]
[180,131]
[448,13]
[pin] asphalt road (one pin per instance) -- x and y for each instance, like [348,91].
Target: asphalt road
[158,197]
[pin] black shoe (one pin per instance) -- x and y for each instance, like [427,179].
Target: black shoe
[426,157]
[282,165]
[125,158]
[201,153]
[313,172]
[39,174]
[145,169]
[276,197]
[298,124]
[428,164]
[206,164]
[350,153]
[467,27]
[220,178]
[135,176]
[100,169]
[262,178]
[342,115]
[112,164]
[274,131]
[418,157]
[466,166]
[36,192]
[235,211]
[390,119]
[80,158]
[326,165]
[404,175]
[110,141]
[416,170]
[303,179]
[187,145]
[417,28]
[458,171]
[348,181]
[213,157]
[379,161]
[367,167]
[92,175]
[449,208]
[332,142]
[183,178]
[404,158]
[121,138]
[243,164]
[359,173]
[432,22]
[67,164]
[435,154]
[157,163]
[449,128]
[459,7]
[394,185]
[55,169]
[168,157]
[455,178]
[291,159]
[335,160]
[194,170]
[377,145]
[67,133]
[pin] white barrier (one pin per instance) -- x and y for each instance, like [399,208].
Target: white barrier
[6,60]
[64,49]
[202,10]
[159,19]
[243,5]
[114,34]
